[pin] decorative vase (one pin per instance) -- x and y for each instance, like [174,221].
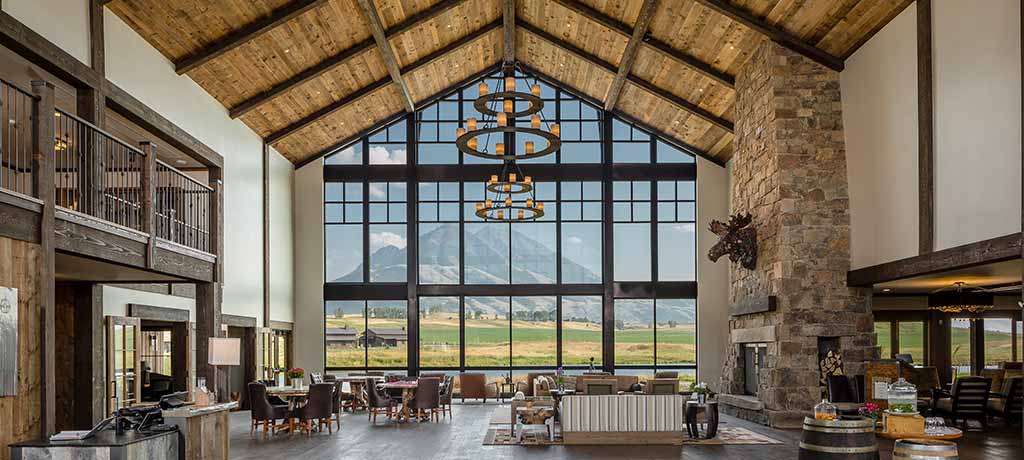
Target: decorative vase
[297,383]
[702,398]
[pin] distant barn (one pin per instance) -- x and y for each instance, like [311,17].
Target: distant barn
[342,337]
[386,337]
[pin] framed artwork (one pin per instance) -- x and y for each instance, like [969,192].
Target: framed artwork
[8,341]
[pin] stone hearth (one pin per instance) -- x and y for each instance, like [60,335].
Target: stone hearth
[789,171]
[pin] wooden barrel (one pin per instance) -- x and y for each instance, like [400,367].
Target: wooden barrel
[848,439]
[925,449]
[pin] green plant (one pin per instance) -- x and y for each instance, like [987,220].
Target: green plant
[295,373]
[902,408]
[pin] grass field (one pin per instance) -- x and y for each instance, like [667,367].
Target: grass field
[998,345]
[533,343]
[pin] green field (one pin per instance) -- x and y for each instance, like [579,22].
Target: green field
[998,345]
[533,343]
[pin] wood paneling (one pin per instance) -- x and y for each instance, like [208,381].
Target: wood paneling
[20,416]
[455,23]
[575,29]
[466,60]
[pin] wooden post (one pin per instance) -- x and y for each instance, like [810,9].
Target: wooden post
[925,130]
[148,185]
[266,235]
[208,295]
[43,181]
[90,361]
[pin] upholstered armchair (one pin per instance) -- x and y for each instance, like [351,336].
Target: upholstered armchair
[1007,405]
[263,412]
[663,386]
[967,400]
[377,402]
[317,411]
[601,387]
[475,386]
[447,389]
[427,400]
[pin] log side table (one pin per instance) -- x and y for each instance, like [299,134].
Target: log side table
[709,428]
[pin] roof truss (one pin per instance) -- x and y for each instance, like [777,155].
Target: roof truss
[386,52]
[628,56]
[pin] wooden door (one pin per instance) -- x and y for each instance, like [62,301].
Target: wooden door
[124,362]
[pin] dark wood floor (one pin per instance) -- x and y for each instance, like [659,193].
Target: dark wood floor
[461,437]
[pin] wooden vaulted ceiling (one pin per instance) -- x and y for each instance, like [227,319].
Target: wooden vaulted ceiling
[310,75]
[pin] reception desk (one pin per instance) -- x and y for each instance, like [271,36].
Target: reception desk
[204,430]
[105,445]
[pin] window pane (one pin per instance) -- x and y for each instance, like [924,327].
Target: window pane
[998,342]
[669,154]
[388,154]
[344,324]
[439,253]
[534,333]
[487,331]
[438,154]
[581,252]
[677,245]
[439,331]
[634,331]
[883,339]
[344,262]
[631,152]
[912,341]
[387,253]
[632,252]
[487,253]
[386,337]
[677,331]
[533,253]
[581,330]
[351,155]
[960,346]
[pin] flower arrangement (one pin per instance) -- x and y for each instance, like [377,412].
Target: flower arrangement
[871,411]
[702,388]
[295,373]
[560,377]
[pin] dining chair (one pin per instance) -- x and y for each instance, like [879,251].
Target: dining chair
[274,400]
[1008,404]
[601,387]
[447,390]
[317,411]
[263,412]
[338,402]
[377,402]
[427,399]
[967,400]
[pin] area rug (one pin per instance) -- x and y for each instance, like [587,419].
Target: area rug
[727,435]
[502,415]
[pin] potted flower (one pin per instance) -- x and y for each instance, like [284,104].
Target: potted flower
[871,411]
[560,378]
[703,391]
[296,375]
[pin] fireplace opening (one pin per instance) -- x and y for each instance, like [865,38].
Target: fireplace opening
[754,359]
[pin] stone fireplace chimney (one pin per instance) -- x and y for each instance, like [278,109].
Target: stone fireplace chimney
[789,171]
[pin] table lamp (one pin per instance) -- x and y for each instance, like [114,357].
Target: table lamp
[224,351]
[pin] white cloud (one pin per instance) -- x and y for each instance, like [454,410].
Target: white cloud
[379,240]
[688,228]
[378,190]
[382,156]
[348,156]
[574,240]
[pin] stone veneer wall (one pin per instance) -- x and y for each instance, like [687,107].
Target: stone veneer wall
[789,171]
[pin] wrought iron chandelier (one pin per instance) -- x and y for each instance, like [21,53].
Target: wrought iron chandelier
[955,299]
[509,196]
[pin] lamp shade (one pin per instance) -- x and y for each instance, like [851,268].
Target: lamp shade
[225,351]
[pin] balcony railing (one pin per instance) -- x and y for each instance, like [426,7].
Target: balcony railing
[182,207]
[17,143]
[95,173]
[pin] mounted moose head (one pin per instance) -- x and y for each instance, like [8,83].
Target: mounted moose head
[736,240]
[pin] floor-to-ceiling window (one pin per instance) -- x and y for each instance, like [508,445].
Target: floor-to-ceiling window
[414,280]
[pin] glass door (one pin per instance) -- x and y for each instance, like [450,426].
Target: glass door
[124,340]
[265,355]
[960,346]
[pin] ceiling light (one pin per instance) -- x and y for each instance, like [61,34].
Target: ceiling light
[886,290]
[960,298]
[180,162]
[287,50]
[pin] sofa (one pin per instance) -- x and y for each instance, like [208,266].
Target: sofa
[623,419]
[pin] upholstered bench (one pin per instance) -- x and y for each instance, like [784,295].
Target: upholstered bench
[623,419]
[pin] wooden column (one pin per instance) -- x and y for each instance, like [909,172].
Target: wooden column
[90,361]
[148,184]
[208,295]
[925,130]
[43,180]
[266,235]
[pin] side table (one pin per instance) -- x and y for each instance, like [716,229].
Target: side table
[501,390]
[710,425]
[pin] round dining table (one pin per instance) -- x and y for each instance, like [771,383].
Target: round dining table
[408,393]
[355,385]
[294,396]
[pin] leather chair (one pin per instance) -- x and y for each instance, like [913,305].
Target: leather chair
[377,402]
[263,412]
[427,399]
[317,411]
[530,387]
[662,386]
[474,386]
[447,389]
[601,387]
[274,400]
[842,391]
[338,402]
[330,378]
[1008,405]
[967,400]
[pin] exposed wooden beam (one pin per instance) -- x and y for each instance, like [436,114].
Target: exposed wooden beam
[339,59]
[508,15]
[624,29]
[386,52]
[925,130]
[355,96]
[776,34]
[97,48]
[245,34]
[969,255]
[395,116]
[629,55]
[647,86]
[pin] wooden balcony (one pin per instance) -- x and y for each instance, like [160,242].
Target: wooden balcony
[111,201]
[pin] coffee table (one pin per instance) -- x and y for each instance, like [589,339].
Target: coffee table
[709,428]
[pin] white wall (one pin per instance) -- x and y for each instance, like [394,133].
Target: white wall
[879,93]
[282,267]
[976,67]
[308,337]
[977,120]
[63,22]
[139,69]
[712,278]
[116,300]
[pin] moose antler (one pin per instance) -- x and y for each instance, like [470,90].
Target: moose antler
[740,220]
[718,228]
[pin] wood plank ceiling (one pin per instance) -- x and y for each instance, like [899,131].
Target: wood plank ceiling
[310,75]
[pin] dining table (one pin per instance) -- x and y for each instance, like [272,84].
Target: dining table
[408,393]
[356,384]
[294,395]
